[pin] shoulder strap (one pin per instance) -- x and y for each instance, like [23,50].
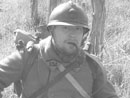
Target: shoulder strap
[43,90]
[33,52]
[75,83]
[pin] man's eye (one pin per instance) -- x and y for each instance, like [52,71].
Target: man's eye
[65,27]
[78,28]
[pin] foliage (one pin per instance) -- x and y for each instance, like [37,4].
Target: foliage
[116,45]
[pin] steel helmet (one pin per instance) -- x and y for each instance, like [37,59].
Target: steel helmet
[68,14]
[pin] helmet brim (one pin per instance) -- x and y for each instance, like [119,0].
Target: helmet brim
[67,24]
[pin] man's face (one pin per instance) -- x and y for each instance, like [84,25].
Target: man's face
[68,38]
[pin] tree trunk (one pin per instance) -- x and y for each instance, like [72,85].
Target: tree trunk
[34,12]
[97,32]
[51,5]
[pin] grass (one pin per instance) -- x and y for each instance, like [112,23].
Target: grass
[116,54]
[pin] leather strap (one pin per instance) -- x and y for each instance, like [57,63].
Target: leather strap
[73,81]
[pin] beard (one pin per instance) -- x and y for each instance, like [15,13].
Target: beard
[65,55]
[68,48]
[66,52]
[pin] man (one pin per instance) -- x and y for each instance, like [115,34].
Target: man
[86,79]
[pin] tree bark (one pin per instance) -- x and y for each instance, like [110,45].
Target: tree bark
[34,12]
[98,23]
[51,5]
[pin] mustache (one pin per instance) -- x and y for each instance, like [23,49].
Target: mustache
[73,42]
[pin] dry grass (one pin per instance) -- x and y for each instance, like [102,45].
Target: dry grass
[15,14]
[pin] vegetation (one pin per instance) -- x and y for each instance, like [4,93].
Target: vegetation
[116,52]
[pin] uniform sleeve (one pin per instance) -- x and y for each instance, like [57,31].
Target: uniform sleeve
[102,88]
[10,69]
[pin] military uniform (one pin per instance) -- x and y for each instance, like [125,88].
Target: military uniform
[94,83]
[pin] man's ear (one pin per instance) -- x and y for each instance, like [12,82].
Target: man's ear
[51,28]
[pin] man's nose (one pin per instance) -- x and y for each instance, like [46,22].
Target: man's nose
[72,33]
